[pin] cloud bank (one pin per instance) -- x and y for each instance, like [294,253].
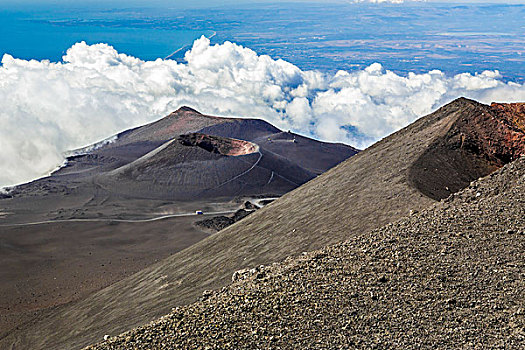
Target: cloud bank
[50,108]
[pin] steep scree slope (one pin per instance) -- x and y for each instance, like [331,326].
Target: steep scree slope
[448,277]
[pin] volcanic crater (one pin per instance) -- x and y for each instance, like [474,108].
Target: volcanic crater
[482,139]
[219,145]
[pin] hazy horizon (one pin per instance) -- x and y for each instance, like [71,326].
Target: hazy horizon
[214,3]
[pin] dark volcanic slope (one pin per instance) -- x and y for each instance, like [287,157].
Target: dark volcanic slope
[368,191]
[449,277]
[134,143]
[313,159]
[199,166]
[72,233]
[155,162]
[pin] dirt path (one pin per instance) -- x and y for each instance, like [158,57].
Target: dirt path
[117,220]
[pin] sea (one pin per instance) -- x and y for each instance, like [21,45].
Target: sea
[42,34]
[410,37]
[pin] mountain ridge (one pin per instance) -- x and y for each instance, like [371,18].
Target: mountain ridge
[367,191]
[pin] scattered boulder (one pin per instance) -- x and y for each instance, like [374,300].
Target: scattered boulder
[220,222]
[250,206]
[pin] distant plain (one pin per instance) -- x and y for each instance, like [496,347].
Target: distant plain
[409,38]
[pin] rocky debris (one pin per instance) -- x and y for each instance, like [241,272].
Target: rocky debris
[265,202]
[450,276]
[5,195]
[243,274]
[220,222]
[241,214]
[250,206]
[514,112]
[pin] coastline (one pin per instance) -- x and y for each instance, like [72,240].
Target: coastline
[185,46]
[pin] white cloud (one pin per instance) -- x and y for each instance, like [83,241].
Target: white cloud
[50,108]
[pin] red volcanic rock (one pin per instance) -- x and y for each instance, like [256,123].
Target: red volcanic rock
[514,112]
[186,118]
[491,133]
[480,139]
[182,121]
[511,125]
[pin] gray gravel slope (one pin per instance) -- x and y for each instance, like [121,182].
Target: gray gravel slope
[449,277]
